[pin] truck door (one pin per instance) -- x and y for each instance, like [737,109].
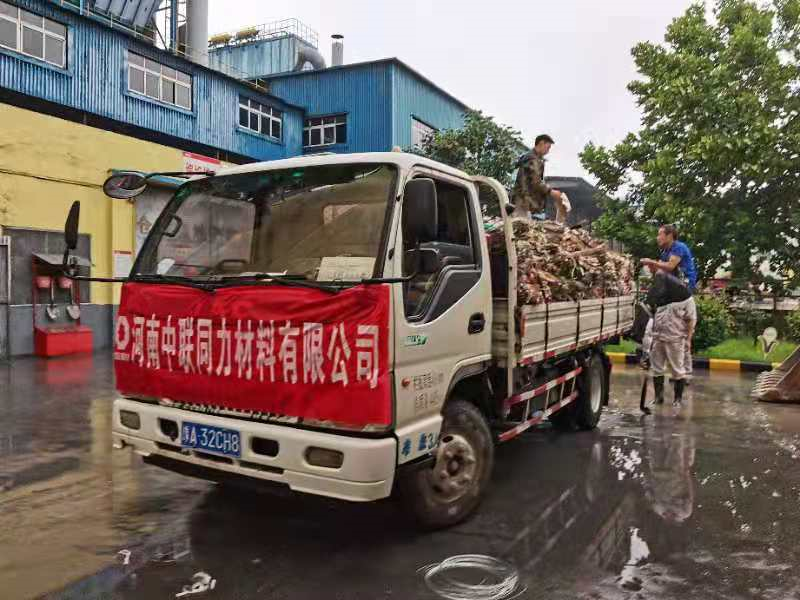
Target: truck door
[493,201]
[444,314]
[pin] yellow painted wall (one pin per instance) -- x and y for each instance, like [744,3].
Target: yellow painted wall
[46,163]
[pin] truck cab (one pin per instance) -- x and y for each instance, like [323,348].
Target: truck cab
[335,324]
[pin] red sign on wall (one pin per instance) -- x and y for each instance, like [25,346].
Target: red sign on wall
[281,351]
[197,163]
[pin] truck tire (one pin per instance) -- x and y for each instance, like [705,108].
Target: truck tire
[592,386]
[451,490]
[564,419]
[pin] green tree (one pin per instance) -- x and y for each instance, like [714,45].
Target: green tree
[718,151]
[480,147]
[793,326]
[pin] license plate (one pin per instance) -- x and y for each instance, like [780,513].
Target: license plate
[211,439]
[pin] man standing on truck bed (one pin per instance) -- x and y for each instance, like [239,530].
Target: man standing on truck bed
[530,192]
[676,258]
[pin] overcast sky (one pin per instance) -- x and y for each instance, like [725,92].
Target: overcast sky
[559,67]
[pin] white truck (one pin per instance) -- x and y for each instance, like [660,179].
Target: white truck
[332,323]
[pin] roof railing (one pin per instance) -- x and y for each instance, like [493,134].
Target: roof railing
[266,31]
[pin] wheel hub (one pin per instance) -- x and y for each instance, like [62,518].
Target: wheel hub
[455,467]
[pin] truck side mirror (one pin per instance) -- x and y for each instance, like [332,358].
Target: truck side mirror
[71,231]
[420,211]
[124,186]
[71,226]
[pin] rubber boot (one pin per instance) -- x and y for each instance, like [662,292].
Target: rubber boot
[643,398]
[658,384]
[680,384]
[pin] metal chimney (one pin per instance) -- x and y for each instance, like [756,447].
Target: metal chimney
[337,51]
[197,31]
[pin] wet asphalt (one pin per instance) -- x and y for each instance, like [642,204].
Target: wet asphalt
[700,502]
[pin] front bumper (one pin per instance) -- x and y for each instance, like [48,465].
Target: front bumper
[367,471]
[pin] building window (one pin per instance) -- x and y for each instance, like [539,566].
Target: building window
[160,82]
[420,132]
[325,131]
[260,118]
[33,35]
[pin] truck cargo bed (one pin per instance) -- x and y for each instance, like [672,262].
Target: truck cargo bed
[547,330]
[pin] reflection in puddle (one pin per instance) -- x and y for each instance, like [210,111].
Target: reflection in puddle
[201,583]
[639,554]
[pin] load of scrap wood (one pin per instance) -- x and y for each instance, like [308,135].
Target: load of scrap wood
[556,263]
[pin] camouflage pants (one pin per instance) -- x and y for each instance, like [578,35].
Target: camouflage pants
[669,356]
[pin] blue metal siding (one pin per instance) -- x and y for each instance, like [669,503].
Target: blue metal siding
[256,59]
[95,81]
[414,97]
[364,93]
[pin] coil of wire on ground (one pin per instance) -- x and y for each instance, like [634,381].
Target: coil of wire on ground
[498,580]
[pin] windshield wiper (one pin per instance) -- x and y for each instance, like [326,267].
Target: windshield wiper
[211,284]
[257,276]
[169,279]
[266,279]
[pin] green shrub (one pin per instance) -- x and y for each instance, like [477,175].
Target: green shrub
[749,322]
[793,325]
[714,323]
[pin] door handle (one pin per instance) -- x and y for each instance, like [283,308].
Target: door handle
[476,323]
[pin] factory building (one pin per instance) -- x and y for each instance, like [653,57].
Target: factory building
[88,87]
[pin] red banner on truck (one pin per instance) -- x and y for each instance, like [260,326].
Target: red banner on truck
[277,351]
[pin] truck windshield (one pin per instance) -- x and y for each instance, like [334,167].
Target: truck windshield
[321,223]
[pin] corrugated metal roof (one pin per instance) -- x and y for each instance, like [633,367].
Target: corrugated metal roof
[415,99]
[254,59]
[381,99]
[393,60]
[364,95]
[67,7]
[95,81]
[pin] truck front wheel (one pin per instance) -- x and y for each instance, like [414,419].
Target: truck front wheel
[448,492]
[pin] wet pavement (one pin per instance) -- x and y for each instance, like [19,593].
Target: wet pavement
[700,503]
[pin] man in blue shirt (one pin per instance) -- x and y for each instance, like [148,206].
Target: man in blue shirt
[677,259]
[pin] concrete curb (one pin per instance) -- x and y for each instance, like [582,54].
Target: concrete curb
[711,364]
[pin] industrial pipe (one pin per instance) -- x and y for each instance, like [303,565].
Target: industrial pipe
[307,54]
[197,31]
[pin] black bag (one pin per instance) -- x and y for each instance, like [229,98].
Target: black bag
[666,289]
[640,321]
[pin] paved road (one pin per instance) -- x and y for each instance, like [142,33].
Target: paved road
[696,504]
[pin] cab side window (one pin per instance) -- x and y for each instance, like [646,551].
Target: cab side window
[452,250]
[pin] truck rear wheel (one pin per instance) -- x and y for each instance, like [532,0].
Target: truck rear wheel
[584,412]
[448,493]
[591,391]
